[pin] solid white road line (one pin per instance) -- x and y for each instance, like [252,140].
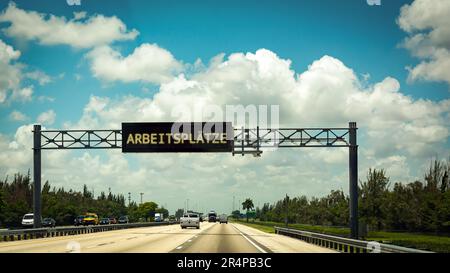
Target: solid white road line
[250,241]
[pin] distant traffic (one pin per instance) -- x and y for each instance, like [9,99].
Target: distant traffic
[81,220]
[188,219]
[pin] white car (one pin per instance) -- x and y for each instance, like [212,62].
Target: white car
[28,220]
[223,219]
[190,220]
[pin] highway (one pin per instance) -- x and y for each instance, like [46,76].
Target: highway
[210,238]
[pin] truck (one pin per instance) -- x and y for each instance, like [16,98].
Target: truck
[159,217]
[212,216]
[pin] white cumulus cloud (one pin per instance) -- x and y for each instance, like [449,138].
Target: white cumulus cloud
[10,75]
[47,118]
[147,63]
[428,24]
[22,94]
[40,76]
[17,116]
[79,32]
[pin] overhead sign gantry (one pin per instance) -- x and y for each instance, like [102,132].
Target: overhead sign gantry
[195,137]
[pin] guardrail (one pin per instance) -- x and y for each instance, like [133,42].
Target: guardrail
[26,234]
[343,244]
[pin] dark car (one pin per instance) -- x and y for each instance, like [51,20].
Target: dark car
[123,220]
[48,222]
[78,220]
[112,220]
[104,221]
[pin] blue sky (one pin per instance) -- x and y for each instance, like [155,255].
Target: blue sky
[366,39]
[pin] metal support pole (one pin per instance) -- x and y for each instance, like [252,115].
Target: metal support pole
[37,175]
[287,211]
[353,177]
[257,141]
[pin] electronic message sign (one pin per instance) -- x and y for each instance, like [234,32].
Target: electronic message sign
[177,137]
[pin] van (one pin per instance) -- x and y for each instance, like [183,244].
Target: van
[223,219]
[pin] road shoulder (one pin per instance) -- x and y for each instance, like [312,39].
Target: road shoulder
[279,243]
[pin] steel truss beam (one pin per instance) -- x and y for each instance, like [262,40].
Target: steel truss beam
[251,141]
[81,139]
[245,140]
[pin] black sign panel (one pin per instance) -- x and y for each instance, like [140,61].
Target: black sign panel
[176,137]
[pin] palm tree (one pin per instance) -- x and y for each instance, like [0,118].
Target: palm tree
[247,205]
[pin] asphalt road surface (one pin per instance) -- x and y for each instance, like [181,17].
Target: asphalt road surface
[210,238]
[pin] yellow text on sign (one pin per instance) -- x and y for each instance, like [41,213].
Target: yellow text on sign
[177,138]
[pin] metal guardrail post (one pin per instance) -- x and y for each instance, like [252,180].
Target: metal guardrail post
[342,244]
[25,234]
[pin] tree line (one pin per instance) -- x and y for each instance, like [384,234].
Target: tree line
[422,206]
[16,199]
[418,206]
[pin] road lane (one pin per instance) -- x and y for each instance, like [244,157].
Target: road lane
[210,238]
[220,238]
[152,241]
[148,239]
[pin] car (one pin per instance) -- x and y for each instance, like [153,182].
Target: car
[78,220]
[112,220]
[104,221]
[28,220]
[90,219]
[48,222]
[190,220]
[123,220]
[223,218]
